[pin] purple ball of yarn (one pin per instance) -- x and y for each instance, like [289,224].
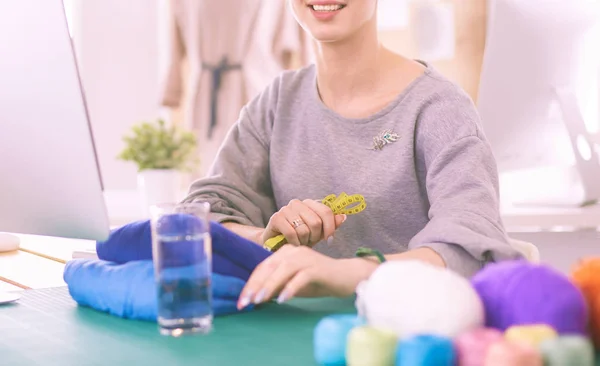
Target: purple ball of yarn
[520,292]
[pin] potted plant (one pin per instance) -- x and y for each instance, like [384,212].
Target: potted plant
[160,152]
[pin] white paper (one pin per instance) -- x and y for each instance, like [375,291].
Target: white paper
[434,31]
[392,14]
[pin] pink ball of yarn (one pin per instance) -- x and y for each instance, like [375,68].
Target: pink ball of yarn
[504,353]
[522,293]
[472,346]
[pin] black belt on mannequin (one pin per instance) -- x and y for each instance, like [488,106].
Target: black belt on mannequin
[217,72]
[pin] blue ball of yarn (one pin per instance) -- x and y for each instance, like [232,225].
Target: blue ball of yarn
[330,337]
[426,350]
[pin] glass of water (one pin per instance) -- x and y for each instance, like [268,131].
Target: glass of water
[182,252]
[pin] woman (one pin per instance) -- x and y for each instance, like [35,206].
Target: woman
[430,185]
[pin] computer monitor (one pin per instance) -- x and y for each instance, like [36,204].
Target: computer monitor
[50,182]
[538,100]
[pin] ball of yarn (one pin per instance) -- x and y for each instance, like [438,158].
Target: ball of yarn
[371,346]
[586,276]
[472,346]
[568,350]
[532,335]
[522,293]
[505,353]
[331,336]
[426,350]
[412,298]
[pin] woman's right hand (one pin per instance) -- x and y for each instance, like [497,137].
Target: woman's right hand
[303,223]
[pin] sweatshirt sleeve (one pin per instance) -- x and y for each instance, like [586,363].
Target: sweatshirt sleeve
[461,180]
[238,185]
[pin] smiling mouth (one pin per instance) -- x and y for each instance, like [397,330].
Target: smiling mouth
[327,8]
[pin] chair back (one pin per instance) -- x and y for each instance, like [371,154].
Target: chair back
[529,251]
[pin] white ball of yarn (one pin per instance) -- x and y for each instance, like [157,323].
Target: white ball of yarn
[413,297]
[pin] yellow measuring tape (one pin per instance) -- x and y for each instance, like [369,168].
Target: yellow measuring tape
[340,205]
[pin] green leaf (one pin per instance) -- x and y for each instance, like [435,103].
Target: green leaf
[157,146]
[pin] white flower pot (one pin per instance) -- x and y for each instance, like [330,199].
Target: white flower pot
[158,186]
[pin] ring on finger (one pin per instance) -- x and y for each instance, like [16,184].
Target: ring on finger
[297,223]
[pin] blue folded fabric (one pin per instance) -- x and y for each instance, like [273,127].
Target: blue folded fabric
[129,290]
[232,254]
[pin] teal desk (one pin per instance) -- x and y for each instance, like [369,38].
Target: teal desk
[46,327]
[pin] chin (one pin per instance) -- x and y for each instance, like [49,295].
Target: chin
[328,35]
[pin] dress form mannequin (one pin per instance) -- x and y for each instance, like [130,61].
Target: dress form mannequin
[233,50]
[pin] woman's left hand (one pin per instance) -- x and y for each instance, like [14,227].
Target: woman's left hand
[299,271]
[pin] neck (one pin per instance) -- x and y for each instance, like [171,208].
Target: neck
[344,68]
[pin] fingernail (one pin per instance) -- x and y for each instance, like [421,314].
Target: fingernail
[244,301]
[260,296]
[344,217]
[282,297]
[330,239]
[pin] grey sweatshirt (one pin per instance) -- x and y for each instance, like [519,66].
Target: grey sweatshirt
[436,186]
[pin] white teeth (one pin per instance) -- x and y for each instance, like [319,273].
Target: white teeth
[332,7]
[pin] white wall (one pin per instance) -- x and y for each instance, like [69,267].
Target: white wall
[118,52]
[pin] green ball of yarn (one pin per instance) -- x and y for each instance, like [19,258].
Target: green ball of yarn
[371,346]
[568,350]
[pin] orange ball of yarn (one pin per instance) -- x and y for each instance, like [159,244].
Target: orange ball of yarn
[586,276]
